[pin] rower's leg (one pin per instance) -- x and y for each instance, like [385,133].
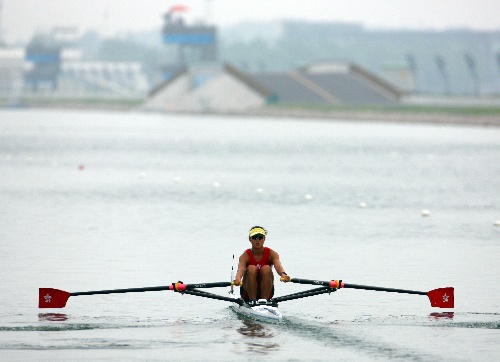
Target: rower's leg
[266,284]
[250,281]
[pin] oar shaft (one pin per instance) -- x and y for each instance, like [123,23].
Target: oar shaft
[128,290]
[175,286]
[203,294]
[304,294]
[340,284]
[381,289]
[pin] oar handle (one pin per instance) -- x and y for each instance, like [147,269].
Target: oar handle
[180,287]
[332,283]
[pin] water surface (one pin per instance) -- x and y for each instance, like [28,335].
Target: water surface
[96,200]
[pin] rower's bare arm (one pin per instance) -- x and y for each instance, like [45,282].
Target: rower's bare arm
[241,268]
[275,259]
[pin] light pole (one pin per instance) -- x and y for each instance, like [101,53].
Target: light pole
[471,64]
[413,68]
[442,68]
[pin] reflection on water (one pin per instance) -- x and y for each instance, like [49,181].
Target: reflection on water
[52,317]
[252,329]
[441,315]
[253,332]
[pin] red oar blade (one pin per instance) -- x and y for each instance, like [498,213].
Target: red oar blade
[52,298]
[442,297]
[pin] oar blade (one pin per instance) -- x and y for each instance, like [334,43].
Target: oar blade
[52,298]
[442,297]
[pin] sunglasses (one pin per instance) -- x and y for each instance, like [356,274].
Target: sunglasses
[258,237]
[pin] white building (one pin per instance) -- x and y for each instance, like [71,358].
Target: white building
[228,89]
[107,79]
[11,72]
[76,79]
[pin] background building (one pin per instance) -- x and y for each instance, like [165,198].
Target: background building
[290,62]
[227,88]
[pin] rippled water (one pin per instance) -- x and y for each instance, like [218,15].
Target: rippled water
[94,200]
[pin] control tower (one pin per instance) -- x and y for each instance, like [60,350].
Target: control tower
[196,43]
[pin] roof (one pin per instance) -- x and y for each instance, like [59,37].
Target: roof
[334,83]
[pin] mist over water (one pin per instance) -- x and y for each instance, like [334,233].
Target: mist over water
[95,200]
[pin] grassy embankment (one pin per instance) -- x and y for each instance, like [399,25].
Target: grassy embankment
[464,114]
[485,115]
[97,103]
[422,109]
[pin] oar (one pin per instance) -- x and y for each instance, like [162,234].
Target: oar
[440,298]
[56,298]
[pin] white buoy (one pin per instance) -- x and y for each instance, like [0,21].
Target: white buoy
[216,185]
[177,180]
[142,175]
[363,205]
[308,197]
[259,191]
[426,213]
[497,223]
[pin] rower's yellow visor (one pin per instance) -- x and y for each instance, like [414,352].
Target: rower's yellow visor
[256,231]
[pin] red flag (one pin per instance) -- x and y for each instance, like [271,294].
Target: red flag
[178,8]
[442,297]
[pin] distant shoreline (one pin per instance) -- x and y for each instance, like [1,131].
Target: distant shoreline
[384,116]
[373,115]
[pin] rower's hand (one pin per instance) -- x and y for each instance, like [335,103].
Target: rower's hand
[285,279]
[237,282]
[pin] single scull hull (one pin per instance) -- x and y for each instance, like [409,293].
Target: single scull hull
[261,312]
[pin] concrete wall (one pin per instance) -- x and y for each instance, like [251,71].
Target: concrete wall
[221,93]
[170,97]
[225,93]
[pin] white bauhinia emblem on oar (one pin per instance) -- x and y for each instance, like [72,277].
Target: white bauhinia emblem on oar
[445,298]
[47,298]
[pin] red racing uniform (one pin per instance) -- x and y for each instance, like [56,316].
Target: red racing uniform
[264,260]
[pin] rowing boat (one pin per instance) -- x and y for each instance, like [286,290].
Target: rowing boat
[265,310]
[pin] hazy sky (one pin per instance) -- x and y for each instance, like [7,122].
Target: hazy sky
[21,18]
